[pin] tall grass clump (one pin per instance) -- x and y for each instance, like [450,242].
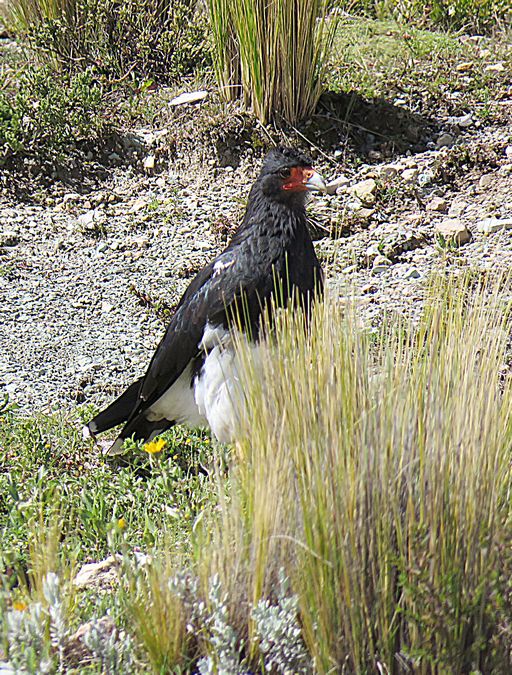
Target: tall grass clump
[278,49]
[375,475]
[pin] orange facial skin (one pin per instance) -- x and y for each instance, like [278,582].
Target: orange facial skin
[299,176]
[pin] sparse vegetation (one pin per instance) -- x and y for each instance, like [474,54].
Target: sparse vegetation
[447,14]
[371,487]
[41,121]
[139,38]
[362,523]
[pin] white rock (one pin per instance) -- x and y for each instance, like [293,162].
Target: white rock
[339,182]
[485,181]
[453,230]
[149,162]
[437,204]
[425,178]
[91,218]
[138,205]
[492,224]
[380,264]
[364,190]
[409,175]
[189,97]
[462,121]
[98,574]
[457,209]
[495,67]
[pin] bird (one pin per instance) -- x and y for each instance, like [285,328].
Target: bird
[192,377]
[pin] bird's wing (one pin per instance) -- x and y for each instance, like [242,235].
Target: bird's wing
[209,296]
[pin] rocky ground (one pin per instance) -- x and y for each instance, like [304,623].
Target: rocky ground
[88,280]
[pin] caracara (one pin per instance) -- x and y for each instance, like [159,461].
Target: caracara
[192,377]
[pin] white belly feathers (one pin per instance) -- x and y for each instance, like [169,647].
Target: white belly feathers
[215,397]
[178,403]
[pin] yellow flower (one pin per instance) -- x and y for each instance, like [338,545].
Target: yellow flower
[155,446]
[19,605]
[121,523]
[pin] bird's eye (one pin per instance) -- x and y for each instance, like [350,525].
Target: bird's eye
[284,173]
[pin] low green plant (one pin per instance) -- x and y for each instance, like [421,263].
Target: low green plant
[163,40]
[44,462]
[44,119]
[484,15]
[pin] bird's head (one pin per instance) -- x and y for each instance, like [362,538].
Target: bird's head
[287,175]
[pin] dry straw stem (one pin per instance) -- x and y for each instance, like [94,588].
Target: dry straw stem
[375,469]
[157,614]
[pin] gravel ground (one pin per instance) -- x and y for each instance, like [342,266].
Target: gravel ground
[77,274]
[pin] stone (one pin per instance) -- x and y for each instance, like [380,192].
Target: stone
[425,178]
[189,97]
[412,273]
[364,213]
[368,288]
[457,209]
[495,67]
[380,264]
[340,182]
[461,121]
[485,181]
[9,238]
[508,152]
[149,162]
[138,205]
[372,252]
[70,197]
[493,224]
[90,219]
[388,171]
[453,230]
[98,575]
[464,67]
[141,242]
[437,204]
[364,190]
[409,175]
[76,649]
[445,140]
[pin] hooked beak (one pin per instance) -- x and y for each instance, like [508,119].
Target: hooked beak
[315,182]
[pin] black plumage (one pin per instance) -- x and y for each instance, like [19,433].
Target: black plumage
[270,249]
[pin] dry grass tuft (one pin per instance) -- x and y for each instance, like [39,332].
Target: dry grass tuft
[376,471]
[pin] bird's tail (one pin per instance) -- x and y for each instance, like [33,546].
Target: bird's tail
[117,412]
